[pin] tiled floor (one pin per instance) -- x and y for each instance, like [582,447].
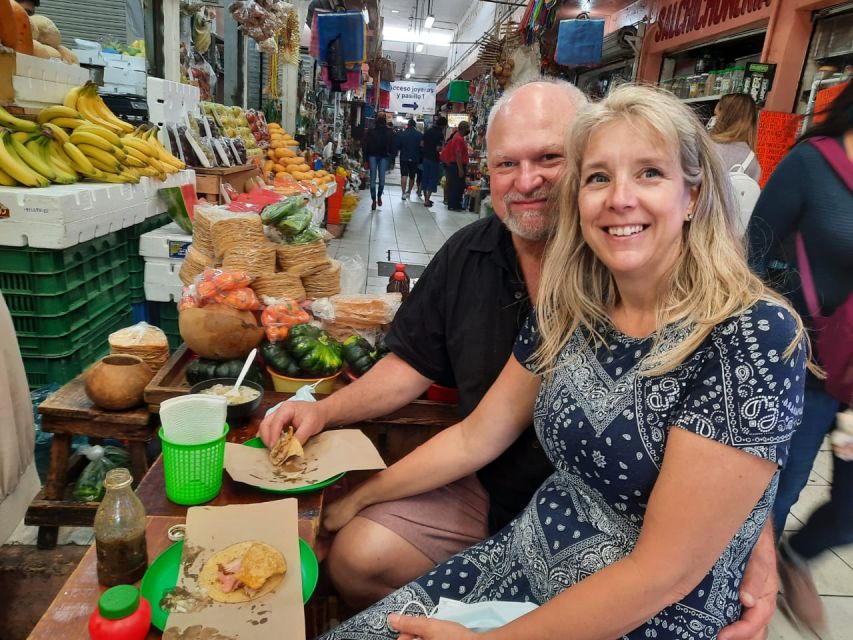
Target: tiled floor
[412,234]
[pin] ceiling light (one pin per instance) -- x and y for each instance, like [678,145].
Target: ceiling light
[365,15]
[395,11]
[430,20]
[412,68]
[419,47]
[408,75]
[439,37]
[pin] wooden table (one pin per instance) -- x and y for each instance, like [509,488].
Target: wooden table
[67,413]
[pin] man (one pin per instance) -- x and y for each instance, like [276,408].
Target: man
[379,151]
[409,148]
[454,157]
[457,328]
[30,6]
[432,143]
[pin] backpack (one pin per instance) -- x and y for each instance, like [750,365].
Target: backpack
[746,190]
[834,333]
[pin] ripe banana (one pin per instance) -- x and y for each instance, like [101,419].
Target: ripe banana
[11,164]
[101,159]
[40,148]
[84,137]
[78,159]
[57,111]
[68,123]
[21,136]
[60,159]
[136,154]
[70,100]
[87,109]
[133,162]
[142,146]
[6,180]
[34,161]
[16,124]
[98,130]
[106,114]
[93,108]
[57,133]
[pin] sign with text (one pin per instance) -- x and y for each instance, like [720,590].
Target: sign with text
[777,133]
[684,16]
[413,97]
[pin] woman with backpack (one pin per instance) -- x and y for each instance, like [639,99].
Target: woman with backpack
[804,218]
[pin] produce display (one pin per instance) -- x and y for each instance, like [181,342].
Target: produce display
[79,139]
[202,369]
[307,352]
[285,163]
[360,355]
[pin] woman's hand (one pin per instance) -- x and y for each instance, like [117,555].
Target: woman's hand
[411,627]
[339,513]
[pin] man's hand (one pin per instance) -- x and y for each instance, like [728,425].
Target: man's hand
[308,418]
[757,592]
[411,628]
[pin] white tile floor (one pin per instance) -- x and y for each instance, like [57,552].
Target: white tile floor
[413,234]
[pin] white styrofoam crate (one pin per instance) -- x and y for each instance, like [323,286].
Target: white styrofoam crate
[35,93]
[122,89]
[170,102]
[121,61]
[124,76]
[61,204]
[167,242]
[50,71]
[45,235]
[90,57]
[162,280]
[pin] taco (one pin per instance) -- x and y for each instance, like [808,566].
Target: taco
[287,449]
[242,572]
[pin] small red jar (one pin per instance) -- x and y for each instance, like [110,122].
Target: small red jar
[122,614]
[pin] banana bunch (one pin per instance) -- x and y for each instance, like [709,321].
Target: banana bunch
[90,106]
[30,159]
[146,154]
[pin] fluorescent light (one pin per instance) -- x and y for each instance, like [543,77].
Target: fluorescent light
[365,15]
[430,20]
[408,75]
[412,68]
[435,37]
[395,11]
[419,47]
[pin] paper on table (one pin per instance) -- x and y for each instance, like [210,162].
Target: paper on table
[277,615]
[326,455]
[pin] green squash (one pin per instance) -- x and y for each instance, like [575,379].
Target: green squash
[316,352]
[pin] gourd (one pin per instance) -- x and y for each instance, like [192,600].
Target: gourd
[23,31]
[8,31]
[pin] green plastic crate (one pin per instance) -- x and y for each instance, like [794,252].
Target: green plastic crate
[68,343]
[29,260]
[39,325]
[154,222]
[169,311]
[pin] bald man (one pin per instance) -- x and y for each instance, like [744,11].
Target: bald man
[457,328]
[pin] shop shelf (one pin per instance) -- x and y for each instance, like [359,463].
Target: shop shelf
[38,325]
[30,261]
[68,343]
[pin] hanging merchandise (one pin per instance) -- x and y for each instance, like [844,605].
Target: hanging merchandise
[335,67]
[458,91]
[351,82]
[538,19]
[290,37]
[350,28]
[201,31]
[260,19]
[579,42]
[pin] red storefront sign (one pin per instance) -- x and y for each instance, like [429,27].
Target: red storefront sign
[686,16]
[777,133]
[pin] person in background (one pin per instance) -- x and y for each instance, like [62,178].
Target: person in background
[379,150]
[454,157]
[19,482]
[409,148]
[665,461]
[806,195]
[329,150]
[480,284]
[30,6]
[734,132]
[432,143]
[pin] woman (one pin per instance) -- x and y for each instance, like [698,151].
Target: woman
[648,319]
[379,150]
[805,195]
[734,132]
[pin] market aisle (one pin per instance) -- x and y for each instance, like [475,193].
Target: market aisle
[401,230]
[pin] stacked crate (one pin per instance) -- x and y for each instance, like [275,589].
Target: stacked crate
[136,263]
[65,303]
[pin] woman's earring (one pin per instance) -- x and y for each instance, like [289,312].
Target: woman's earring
[689,216]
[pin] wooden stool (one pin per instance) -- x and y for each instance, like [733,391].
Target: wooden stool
[67,413]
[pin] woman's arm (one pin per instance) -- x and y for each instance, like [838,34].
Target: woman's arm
[505,411]
[704,494]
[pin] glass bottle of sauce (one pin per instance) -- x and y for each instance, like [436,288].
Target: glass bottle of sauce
[401,268]
[398,284]
[120,532]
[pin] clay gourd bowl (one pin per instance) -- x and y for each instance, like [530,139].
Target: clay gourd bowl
[117,382]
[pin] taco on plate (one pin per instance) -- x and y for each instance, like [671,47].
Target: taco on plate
[242,572]
[287,450]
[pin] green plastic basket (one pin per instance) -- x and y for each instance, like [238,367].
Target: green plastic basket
[193,471]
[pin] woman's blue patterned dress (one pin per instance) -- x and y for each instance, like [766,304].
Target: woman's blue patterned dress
[605,427]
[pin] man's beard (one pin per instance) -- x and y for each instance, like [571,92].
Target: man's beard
[516,223]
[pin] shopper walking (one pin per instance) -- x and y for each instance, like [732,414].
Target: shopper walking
[433,141]
[409,147]
[734,132]
[454,157]
[809,199]
[379,150]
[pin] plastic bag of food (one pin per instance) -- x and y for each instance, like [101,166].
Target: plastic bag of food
[277,318]
[90,485]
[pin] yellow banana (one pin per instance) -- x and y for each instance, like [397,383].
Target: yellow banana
[133,162]
[84,137]
[100,158]
[136,154]
[60,159]
[21,136]
[68,123]
[104,166]
[70,99]
[87,110]
[6,180]
[131,177]
[98,130]
[167,158]
[78,159]
[16,168]
[40,147]
[106,113]
[114,178]
[16,124]
[34,161]
[57,111]
[57,133]
[142,146]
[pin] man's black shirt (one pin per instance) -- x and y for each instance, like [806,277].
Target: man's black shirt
[458,328]
[433,140]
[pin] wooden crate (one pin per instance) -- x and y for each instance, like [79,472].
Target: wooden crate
[208,182]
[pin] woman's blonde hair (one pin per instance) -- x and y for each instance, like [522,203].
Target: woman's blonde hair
[737,120]
[709,282]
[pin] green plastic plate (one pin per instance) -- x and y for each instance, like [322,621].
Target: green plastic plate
[162,576]
[257,443]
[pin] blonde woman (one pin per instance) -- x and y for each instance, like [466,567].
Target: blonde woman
[734,132]
[664,382]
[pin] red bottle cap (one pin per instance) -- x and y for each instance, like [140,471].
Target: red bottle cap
[399,267]
[399,275]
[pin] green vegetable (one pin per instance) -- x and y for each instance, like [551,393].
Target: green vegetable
[90,485]
[304,237]
[315,351]
[359,355]
[279,360]
[203,369]
[294,224]
[275,213]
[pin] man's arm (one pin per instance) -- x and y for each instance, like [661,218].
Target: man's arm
[459,164]
[389,385]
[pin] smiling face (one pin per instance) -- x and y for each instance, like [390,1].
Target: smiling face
[526,157]
[633,202]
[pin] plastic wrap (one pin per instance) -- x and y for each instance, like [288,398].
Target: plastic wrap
[219,286]
[353,274]
[277,318]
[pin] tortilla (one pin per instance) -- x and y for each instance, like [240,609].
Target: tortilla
[286,449]
[264,566]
